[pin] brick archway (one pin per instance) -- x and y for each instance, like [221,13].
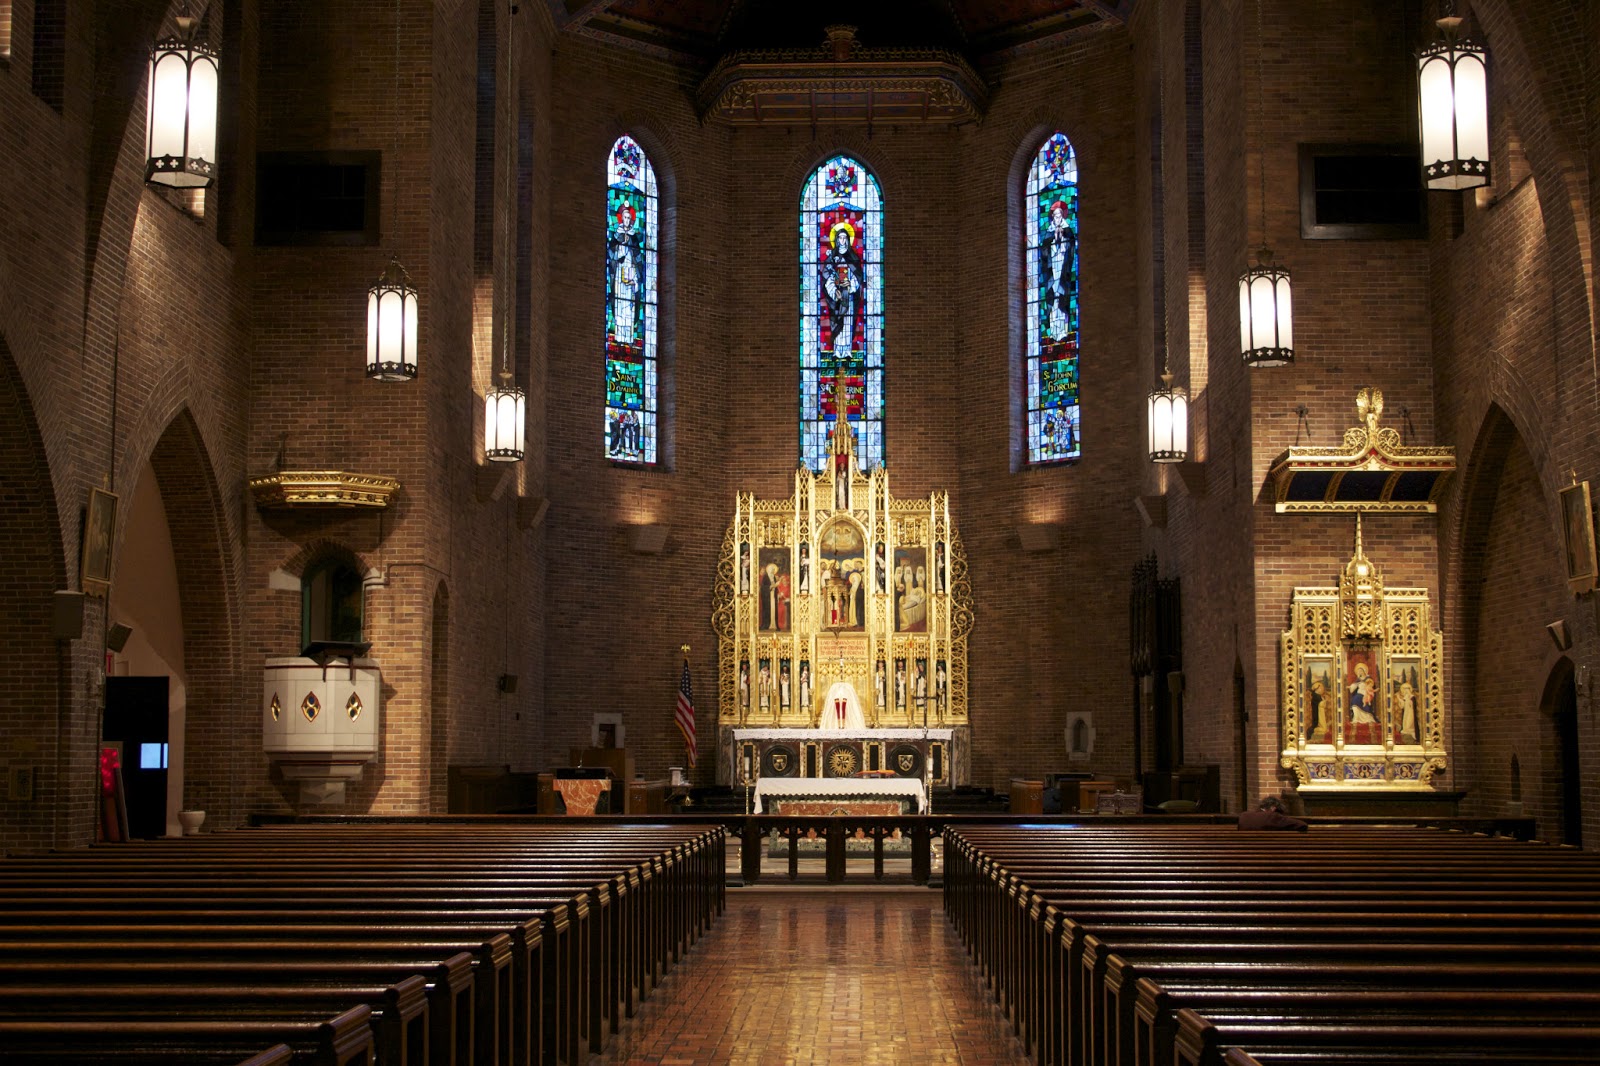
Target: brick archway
[222,734]
[36,671]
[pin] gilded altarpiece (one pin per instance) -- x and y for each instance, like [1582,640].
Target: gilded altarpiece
[842,582]
[1363,684]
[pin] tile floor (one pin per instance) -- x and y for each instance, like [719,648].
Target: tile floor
[823,975]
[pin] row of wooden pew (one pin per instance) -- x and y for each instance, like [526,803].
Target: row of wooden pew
[426,944]
[1360,946]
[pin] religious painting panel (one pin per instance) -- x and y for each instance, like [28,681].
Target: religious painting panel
[1577,529]
[1363,717]
[842,576]
[1362,701]
[909,587]
[1405,693]
[630,305]
[1321,710]
[841,300]
[774,589]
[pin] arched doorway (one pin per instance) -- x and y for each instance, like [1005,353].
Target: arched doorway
[1565,792]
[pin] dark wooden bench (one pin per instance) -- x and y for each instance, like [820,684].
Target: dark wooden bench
[1060,921]
[203,906]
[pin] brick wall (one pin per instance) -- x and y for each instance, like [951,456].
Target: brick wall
[228,360]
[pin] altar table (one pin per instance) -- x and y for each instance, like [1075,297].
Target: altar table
[845,788]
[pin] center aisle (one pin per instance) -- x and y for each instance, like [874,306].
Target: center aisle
[825,976]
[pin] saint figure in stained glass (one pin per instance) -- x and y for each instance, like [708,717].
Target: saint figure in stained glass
[841,309]
[631,212]
[1052,335]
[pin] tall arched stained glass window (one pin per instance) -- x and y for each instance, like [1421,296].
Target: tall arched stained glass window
[841,310]
[631,225]
[1051,211]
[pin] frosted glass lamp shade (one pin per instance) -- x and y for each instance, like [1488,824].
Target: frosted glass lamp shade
[505,412]
[1169,422]
[1453,102]
[181,142]
[392,326]
[1266,321]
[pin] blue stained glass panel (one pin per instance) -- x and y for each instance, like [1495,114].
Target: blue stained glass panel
[632,210]
[1052,333]
[841,310]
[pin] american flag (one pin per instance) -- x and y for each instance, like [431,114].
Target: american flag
[684,715]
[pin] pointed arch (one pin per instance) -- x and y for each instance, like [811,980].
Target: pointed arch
[1050,325]
[841,309]
[633,218]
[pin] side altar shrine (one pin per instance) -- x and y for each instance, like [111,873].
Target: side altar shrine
[842,615]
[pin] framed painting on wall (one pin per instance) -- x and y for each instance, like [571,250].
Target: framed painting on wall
[1577,528]
[1363,716]
[100,525]
[1321,700]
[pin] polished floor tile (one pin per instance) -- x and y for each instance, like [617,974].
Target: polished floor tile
[822,976]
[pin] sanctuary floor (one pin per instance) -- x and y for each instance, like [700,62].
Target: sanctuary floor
[829,975]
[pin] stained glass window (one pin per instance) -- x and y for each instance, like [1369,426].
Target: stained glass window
[631,223]
[1051,210]
[841,310]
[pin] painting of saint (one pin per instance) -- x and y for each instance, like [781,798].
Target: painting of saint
[1577,524]
[910,587]
[1405,689]
[1320,704]
[775,592]
[842,571]
[1363,718]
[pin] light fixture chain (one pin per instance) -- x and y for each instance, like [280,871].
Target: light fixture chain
[1261,105]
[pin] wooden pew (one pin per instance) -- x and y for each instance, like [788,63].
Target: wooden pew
[1026,943]
[599,976]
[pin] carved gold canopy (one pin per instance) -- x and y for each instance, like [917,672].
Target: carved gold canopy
[322,488]
[1362,684]
[842,582]
[1370,470]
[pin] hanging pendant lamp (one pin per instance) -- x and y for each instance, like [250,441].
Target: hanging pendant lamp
[1453,104]
[392,301]
[1168,422]
[1266,321]
[505,405]
[181,121]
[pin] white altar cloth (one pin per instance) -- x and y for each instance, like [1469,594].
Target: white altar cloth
[800,787]
[841,709]
[741,733]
